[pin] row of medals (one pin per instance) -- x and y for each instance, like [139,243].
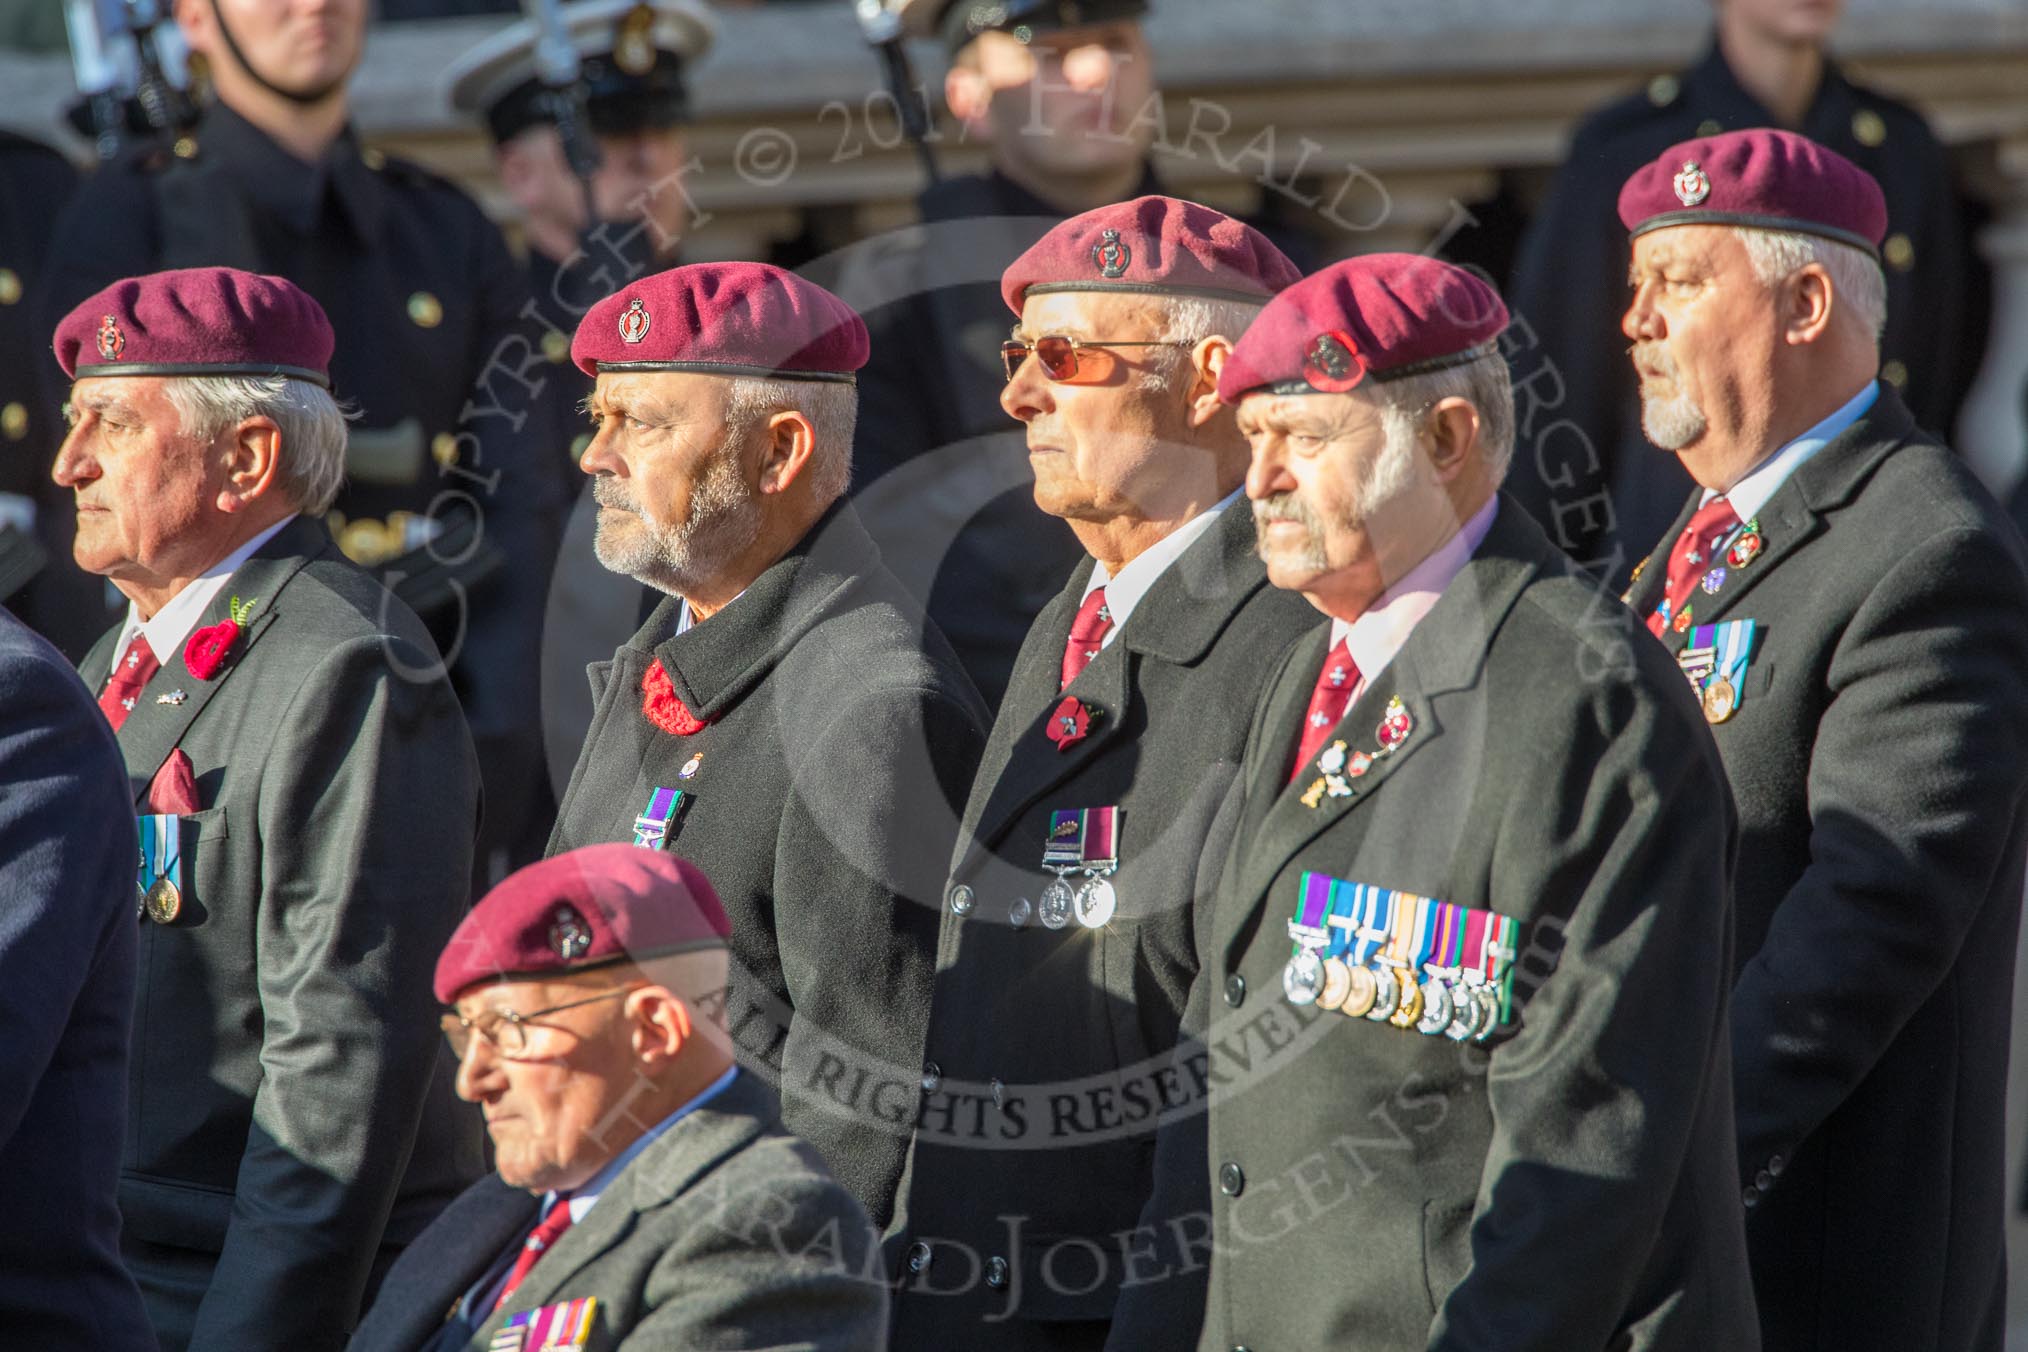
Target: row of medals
[1454,1006]
[1092,901]
[161,902]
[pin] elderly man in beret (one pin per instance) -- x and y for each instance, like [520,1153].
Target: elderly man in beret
[786,719]
[307,795]
[645,1194]
[1852,609]
[1092,833]
[1471,952]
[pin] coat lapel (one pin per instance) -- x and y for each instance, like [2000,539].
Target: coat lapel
[1444,654]
[1798,511]
[154,728]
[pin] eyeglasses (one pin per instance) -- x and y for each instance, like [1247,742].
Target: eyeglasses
[506,1030]
[1060,360]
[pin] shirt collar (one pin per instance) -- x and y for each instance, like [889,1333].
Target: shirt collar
[1751,494]
[582,1200]
[293,191]
[1124,592]
[1379,633]
[172,624]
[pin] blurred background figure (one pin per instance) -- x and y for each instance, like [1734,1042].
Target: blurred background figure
[594,168]
[443,497]
[1766,67]
[38,581]
[67,955]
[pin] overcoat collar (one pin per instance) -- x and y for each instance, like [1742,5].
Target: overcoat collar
[714,664]
[1178,621]
[1445,653]
[173,698]
[1796,513]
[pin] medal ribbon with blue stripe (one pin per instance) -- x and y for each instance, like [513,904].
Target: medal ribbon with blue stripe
[1375,912]
[1733,645]
[161,849]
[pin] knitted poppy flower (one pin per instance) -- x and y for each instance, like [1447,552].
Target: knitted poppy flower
[1068,723]
[206,651]
[661,706]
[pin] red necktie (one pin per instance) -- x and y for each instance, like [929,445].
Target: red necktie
[1087,632]
[540,1240]
[1335,684]
[1693,555]
[136,665]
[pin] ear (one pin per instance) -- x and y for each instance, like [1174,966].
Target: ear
[1207,360]
[790,443]
[968,96]
[1808,299]
[194,18]
[1453,427]
[660,1025]
[253,462]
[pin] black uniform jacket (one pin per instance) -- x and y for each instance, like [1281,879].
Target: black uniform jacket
[821,801]
[432,348]
[1050,1046]
[291,1122]
[1570,288]
[1879,757]
[1567,1185]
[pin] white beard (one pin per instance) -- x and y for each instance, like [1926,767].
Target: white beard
[1674,423]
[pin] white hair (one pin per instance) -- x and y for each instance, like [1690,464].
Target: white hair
[312,425]
[1483,383]
[1856,279]
[832,408]
[1191,319]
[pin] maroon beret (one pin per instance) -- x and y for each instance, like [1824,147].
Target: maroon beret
[599,904]
[1387,315]
[1772,180]
[1155,244]
[197,322]
[727,319]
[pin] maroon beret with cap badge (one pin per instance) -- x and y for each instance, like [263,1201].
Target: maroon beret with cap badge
[1763,178]
[1384,316]
[197,322]
[583,908]
[1161,245]
[729,319]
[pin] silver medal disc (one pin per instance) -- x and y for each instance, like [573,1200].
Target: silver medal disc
[1387,997]
[1056,904]
[1436,1007]
[1019,912]
[1303,978]
[1465,1018]
[1096,902]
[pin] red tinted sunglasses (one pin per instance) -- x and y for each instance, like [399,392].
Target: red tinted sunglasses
[1059,358]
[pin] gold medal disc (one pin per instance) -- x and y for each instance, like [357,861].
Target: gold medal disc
[1337,982]
[165,903]
[1361,988]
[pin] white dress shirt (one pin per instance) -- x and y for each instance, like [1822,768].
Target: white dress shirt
[1751,494]
[1124,592]
[170,626]
[1378,634]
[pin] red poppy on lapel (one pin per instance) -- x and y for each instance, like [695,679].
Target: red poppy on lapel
[1068,723]
[206,651]
[661,706]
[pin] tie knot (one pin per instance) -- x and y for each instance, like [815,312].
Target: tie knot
[1715,518]
[1339,672]
[1093,618]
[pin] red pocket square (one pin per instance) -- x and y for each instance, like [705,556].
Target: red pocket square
[175,786]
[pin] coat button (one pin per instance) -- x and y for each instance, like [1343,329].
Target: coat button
[1763,1180]
[996,1272]
[1775,1166]
[932,1076]
[1231,1179]
[1018,913]
[919,1256]
[1235,990]
[1751,1197]
[961,900]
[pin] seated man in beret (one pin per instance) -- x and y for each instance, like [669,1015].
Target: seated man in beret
[645,1195]
[785,718]
[308,795]
[1852,606]
[1471,952]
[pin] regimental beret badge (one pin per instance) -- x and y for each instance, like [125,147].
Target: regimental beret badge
[569,937]
[111,341]
[1111,255]
[634,322]
[634,41]
[1691,184]
[1332,364]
